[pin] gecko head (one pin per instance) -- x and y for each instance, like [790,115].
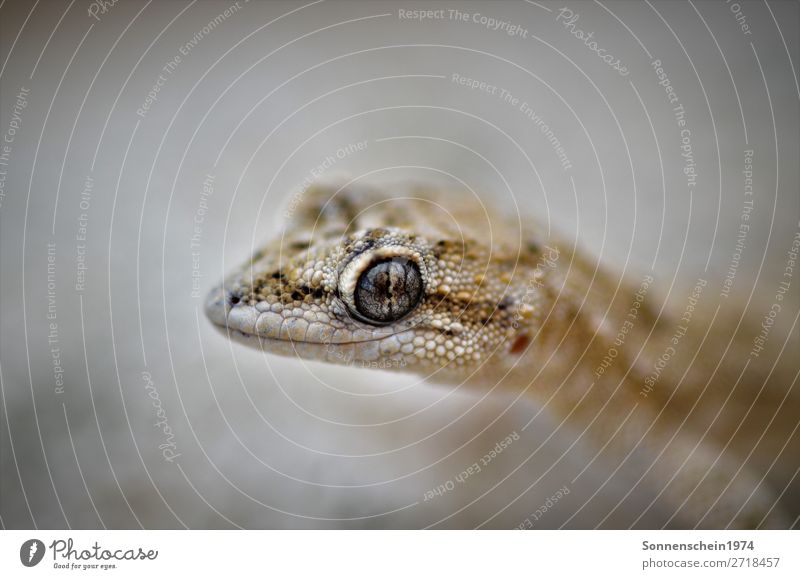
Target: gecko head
[391,295]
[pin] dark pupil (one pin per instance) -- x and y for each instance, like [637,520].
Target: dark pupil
[388,290]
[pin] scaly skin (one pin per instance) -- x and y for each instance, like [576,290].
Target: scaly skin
[504,306]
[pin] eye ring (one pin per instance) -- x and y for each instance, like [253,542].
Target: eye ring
[383,285]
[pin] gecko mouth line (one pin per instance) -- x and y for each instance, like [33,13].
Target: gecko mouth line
[245,337]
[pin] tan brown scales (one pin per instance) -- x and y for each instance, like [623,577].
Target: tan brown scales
[439,284]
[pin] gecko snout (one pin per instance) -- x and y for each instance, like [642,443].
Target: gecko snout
[219,303]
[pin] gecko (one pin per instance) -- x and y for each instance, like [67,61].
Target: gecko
[439,283]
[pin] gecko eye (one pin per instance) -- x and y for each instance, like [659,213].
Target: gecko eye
[388,289]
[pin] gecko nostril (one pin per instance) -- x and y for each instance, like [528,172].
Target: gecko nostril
[234,298]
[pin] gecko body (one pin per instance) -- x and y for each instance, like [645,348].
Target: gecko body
[442,285]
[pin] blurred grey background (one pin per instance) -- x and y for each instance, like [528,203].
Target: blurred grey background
[149,146]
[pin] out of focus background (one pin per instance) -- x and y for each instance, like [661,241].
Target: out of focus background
[149,147]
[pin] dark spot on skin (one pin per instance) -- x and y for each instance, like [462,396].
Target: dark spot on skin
[448,332]
[299,245]
[296,295]
[277,275]
[533,247]
[377,233]
[318,292]
[360,246]
[520,344]
[505,303]
[441,243]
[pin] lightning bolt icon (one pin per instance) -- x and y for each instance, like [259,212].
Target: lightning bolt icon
[34,548]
